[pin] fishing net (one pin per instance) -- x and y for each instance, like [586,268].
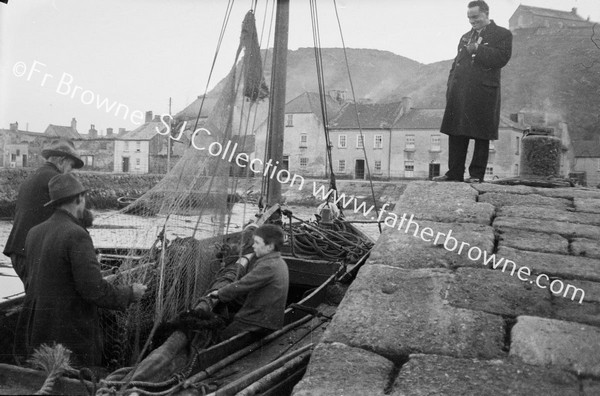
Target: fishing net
[187,214]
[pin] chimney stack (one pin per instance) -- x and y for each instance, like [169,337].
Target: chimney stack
[15,126]
[574,10]
[121,131]
[74,124]
[93,133]
[148,116]
[109,131]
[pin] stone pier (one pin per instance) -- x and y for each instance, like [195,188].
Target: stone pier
[489,290]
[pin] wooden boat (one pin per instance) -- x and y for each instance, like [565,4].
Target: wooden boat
[241,362]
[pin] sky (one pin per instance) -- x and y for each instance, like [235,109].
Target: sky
[130,56]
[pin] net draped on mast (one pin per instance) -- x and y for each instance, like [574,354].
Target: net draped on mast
[179,269]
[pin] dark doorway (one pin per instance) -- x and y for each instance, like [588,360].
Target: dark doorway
[359,169]
[24,160]
[125,164]
[434,170]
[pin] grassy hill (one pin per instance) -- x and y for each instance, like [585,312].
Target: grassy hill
[557,71]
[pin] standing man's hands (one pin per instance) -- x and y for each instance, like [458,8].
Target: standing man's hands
[138,291]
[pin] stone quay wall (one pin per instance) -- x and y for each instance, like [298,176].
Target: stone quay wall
[104,188]
[423,320]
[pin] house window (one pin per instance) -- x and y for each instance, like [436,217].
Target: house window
[410,142]
[138,162]
[88,160]
[126,146]
[289,120]
[518,146]
[303,140]
[13,157]
[436,143]
[103,146]
[359,141]
[409,168]
[378,142]
[303,162]
[516,169]
[377,166]
[489,171]
[342,143]
[342,166]
[18,152]
[138,146]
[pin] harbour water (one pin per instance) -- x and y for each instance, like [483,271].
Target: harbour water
[112,229]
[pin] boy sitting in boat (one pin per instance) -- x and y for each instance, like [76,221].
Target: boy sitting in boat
[261,288]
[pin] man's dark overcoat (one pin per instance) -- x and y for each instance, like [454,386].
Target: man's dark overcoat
[66,289]
[30,210]
[473,95]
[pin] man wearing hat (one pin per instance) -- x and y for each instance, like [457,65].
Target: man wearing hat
[65,283]
[61,157]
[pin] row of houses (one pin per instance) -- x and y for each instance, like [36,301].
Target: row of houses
[394,140]
[384,140]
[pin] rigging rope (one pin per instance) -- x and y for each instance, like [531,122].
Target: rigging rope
[356,111]
[321,85]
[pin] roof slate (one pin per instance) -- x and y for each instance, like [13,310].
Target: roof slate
[309,102]
[586,148]
[548,13]
[65,132]
[371,116]
[144,132]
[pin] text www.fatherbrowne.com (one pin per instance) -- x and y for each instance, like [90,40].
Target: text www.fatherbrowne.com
[451,244]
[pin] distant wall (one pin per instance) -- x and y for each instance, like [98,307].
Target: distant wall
[105,188]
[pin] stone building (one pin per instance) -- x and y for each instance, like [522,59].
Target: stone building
[142,150]
[304,147]
[527,17]
[66,132]
[587,160]
[403,142]
[21,149]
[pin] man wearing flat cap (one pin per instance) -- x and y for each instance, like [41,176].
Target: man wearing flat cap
[65,283]
[61,157]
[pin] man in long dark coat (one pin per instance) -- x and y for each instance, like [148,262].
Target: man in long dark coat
[66,285]
[61,157]
[473,95]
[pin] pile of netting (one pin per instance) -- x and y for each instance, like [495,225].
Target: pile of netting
[179,268]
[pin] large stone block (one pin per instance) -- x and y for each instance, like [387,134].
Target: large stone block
[500,188]
[543,213]
[505,199]
[425,375]
[567,267]
[585,247]
[337,369]
[549,342]
[587,312]
[569,193]
[498,293]
[534,241]
[443,202]
[395,312]
[568,230]
[590,205]
[405,250]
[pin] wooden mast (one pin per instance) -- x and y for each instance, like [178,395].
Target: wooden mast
[277,103]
